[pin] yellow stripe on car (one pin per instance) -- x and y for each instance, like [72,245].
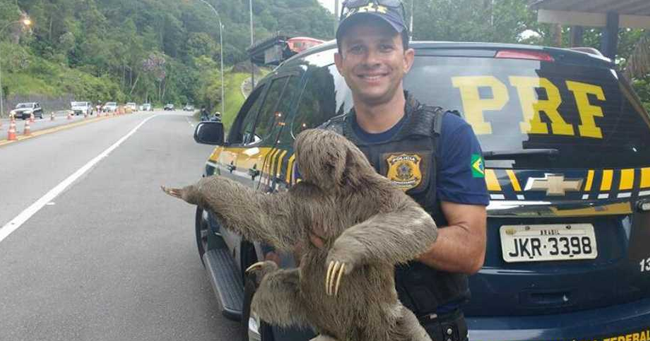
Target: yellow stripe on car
[280,159]
[290,168]
[627,179]
[590,180]
[606,183]
[513,180]
[645,177]
[492,181]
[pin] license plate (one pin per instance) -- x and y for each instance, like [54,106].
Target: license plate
[537,243]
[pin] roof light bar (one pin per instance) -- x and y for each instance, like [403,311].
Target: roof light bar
[531,55]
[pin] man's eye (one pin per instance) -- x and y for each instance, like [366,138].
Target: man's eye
[356,49]
[386,48]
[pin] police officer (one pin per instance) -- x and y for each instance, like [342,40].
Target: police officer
[431,154]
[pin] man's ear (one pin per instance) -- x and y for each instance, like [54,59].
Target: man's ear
[338,60]
[409,56]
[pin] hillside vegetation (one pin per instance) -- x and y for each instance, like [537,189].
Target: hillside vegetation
[168,50]
[139,50]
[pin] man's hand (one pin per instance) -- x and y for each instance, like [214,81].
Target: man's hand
[461,245]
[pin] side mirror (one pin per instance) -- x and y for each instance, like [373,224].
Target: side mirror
[209,133]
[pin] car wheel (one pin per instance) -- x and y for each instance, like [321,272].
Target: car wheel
[202,230]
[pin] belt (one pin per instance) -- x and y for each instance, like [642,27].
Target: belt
[448,327]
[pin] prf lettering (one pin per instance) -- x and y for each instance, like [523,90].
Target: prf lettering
[640,336]
[531,107]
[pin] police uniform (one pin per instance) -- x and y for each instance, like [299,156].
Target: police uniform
[432,155]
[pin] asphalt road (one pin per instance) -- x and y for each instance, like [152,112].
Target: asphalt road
[110,257]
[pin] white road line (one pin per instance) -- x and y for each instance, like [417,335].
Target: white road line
[19,220]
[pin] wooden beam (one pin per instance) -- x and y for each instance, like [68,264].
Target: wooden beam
[576,36]
[591,19]
[609,39]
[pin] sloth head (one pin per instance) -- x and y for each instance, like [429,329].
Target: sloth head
[330,161]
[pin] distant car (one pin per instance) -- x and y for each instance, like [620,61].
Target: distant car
[146,107]
[188,108]
[25,110]
[109,107]
[132,106]
[168,106]
[81,108]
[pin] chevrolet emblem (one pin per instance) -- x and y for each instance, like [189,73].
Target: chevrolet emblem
[554,184]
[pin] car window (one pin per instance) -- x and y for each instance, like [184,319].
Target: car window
[527,104]
[325,95]
[269,116]
[245,123]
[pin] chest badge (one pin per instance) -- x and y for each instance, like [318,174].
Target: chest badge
[404,170]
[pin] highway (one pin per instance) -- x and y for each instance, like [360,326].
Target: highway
[90,247]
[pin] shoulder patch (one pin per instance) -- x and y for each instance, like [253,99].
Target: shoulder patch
[478,166]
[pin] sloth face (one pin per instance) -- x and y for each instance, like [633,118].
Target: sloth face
[328,159]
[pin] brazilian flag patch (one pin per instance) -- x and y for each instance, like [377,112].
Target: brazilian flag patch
[478,166]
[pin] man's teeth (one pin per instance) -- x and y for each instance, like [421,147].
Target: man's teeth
[371,77]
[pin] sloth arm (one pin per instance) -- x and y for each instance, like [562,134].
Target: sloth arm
[395,237]
[270,218]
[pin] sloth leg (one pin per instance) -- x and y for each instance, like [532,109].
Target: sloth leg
[255,215]
[278,299]
[410,328]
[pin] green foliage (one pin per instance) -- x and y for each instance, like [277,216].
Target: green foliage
[112,41]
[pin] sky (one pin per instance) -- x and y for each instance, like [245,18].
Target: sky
[329,4]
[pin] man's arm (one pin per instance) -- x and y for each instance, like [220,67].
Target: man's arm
[461,245]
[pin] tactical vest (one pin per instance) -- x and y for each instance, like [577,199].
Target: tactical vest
[409,160]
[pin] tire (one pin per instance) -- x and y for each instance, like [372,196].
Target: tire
[249,291]
[202,230]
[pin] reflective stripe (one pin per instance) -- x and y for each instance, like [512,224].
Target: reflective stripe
[590,180]
[290,168]
[627,179]
[280,159]
[645,177]
[606,183]
[492,181]
[513,180]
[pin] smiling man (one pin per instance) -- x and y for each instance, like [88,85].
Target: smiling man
[431,154]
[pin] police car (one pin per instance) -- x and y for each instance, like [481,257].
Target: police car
[567,164]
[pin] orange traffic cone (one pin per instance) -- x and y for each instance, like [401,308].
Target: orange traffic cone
[69,116]
[28,130]
[85,115]
[12,131]
[31,118]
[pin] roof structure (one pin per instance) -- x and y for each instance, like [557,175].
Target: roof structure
[608,14]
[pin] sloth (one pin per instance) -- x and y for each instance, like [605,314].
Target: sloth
[344,289]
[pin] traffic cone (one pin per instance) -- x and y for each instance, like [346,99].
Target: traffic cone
[52,116]
[31,118]
[85,115]
[28,130]
[12,131]
[69,116]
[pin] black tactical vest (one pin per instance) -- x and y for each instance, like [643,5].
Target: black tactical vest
[408,159]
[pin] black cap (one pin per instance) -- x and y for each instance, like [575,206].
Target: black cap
[390,15]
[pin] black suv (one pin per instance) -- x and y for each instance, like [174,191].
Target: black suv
[566,143]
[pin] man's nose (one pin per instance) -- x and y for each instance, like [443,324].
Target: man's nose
[372,58]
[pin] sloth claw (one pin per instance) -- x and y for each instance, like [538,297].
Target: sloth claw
[174,192]
[254,266]
[335,272]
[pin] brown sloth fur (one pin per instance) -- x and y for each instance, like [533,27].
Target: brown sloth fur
[365,222]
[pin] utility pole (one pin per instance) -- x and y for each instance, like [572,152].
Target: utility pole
[250,7]
[336,15]
[411,25]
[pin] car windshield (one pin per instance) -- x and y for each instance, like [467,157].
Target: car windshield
[516,105]
[24,105]
[79,104]
[111,103]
